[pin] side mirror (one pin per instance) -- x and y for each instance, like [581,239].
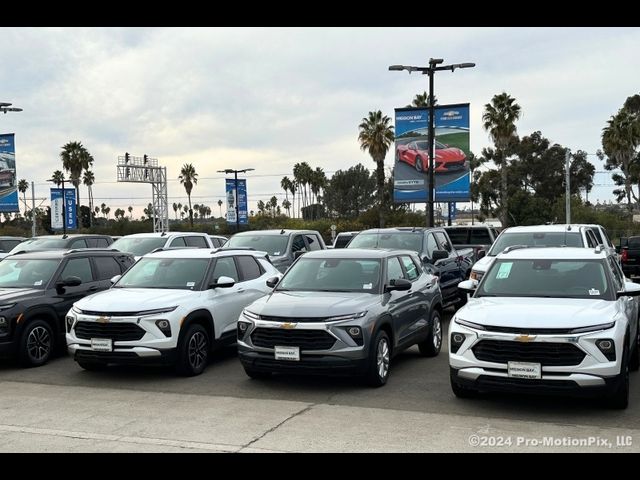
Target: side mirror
[631,289]
[468,286]
[67,282]
[297,254]
[272,282]
[115,279]
[439,255]
[223,282]
[399,284]
[481,254]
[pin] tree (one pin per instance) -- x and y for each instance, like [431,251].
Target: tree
[422,100]
[75,158]
[349,193]
[499,119]
[175,210]
[286,204]
[220,202]
[88,179]
[286,185]
[23,185]
[188,177]
[376,136]
[57,178]
[119,214]
[130,209]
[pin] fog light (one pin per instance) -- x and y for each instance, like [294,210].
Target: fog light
[69,321]
[164,326]
[356,334]
[457,339]
[242,328]
[607,347]
[354,331]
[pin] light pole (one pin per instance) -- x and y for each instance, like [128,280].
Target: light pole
[6,107]
[235,184]
[64,204]
[430,70]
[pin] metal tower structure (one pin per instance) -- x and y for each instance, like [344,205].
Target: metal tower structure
[146,170]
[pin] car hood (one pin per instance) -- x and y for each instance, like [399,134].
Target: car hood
[133,299]
[522,312]
[312,304]
[16,294]
[483,264]
[450,154]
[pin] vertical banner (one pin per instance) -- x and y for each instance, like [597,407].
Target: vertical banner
[8,183]
[63,210]
[451,149]
[240,196]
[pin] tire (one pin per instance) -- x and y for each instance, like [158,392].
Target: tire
[256,375]
[619,398]
[418,165]
[379,360]
[36,344]
[193,351]
[91,366]
[430,346]
[634,361]
[460,391]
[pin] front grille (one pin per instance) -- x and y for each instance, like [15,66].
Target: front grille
[270,318]
[305,339]
[118,332]
[530,331]
[545,353]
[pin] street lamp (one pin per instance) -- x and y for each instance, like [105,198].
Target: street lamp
[6,107]
[433,62]
[235,173]
[64,204]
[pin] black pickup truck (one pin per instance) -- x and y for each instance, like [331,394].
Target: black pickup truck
[477,237]
[439,256]
[629,250]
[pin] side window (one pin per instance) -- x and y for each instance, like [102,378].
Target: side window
[298,244]
[178,242]
[107,267]
[443,242]
[125,262]
[91,242]
[78,267]
[431,245]
[607,241]
[249,268]
[617,279]
[79,243]
[410,268]
[596,232]
[225,267]
[313,242]
[195,241]
[215,242]
[102,242]
[394,270]
[479,235]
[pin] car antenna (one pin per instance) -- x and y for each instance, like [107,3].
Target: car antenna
[282,232]
[163,234]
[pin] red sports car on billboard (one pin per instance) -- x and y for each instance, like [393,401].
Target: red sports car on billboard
[416,154]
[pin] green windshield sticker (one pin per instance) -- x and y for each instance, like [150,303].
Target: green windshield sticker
[505,270]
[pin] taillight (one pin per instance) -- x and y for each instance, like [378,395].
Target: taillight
[625,255]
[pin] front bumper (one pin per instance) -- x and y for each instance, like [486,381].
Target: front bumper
[308,364]
[124,356]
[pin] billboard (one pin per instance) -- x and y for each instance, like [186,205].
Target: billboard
[240,196]
[451,167]
[63,210]
[8,182]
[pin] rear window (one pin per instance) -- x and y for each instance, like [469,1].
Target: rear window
[458,236]
[342,241]
[536,239]
[480,235]
[633,242]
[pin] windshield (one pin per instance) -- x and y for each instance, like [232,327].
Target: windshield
[177,273]
[395,240]
[274,245]
[40,244]
[138,246]
[545,278]
[333,275]
[537,239]
[32,273]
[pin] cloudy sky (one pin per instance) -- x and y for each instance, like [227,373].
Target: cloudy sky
[267,98]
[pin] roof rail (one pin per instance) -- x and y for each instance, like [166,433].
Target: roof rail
[223,248]
[511,248]
[92,249]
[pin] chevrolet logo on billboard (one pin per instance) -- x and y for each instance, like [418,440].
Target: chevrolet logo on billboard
[450,113]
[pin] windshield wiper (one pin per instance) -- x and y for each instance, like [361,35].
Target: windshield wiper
[333,290]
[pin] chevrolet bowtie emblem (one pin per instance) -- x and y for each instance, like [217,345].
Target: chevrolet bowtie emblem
[288,325]
[103,319]
[525,338]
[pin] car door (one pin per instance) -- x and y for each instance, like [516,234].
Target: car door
[227,303]
[399,303]
[73,267]
[105,268]
[417,307]
[450,272]
[253,279]
[629,304]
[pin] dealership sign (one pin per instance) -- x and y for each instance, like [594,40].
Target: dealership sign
[451,148]
[63,209]
[236,191]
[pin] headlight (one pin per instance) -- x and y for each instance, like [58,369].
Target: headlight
[156,311]
[75,310]
[475,326]
[350,316]
[7,306]
[250,315]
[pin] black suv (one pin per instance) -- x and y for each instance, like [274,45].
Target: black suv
[37,289]
[63,242]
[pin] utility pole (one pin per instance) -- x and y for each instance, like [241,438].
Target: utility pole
[567,192]
[33,210]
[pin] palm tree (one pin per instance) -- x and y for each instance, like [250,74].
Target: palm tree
[376,136]
[422,100]
[175,210]
[130,209]
[22,188]
[196,209]
[285,183]
[499,119]
[188,178]
[75,158]
[619,140]
[89,179]
[57,177]
[220,202]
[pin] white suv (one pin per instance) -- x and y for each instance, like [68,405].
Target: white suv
[139,244]
[547,320]
[171,307]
